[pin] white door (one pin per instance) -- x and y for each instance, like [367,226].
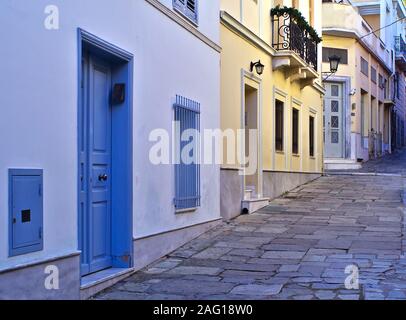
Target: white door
[333,121]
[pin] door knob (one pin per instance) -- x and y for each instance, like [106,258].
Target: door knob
[103,177]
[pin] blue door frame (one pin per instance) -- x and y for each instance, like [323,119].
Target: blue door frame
[119,165]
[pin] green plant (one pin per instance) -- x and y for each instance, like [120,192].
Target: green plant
[296,15]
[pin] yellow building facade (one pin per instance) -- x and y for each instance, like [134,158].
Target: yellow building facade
[359,99]
[281,106]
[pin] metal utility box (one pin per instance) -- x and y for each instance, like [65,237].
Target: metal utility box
[25,211]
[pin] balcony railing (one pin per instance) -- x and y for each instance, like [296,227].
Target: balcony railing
[400,46]
[288,35]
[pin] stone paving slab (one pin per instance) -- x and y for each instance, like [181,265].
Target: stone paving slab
[300,248]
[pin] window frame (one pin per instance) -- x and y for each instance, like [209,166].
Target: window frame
[364,64]
[374,75]
[188,111]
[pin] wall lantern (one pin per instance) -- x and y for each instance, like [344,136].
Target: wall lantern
[259,67]
[334,63]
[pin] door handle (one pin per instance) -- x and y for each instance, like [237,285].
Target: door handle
[103,177]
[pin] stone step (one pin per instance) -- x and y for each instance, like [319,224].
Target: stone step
[341,164]
[253,205]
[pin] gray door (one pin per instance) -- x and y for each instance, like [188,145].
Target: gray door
[333,121]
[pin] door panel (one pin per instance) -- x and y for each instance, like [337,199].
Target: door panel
[26,211]
[333,121]
[97,229]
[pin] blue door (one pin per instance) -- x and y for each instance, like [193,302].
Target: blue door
[96,233]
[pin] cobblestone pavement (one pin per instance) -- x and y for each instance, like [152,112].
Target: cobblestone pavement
[299,247]
[391,164]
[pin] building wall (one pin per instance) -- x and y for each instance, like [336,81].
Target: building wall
[38,129]
[344,31]
[238,51]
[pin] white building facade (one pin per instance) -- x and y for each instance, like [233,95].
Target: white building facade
[87,83]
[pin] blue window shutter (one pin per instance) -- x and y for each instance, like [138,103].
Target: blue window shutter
[25,211]
[189,8]
[187,176]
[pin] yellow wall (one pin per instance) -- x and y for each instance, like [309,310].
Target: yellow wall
[237,54]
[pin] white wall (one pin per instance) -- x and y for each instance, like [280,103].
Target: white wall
[38,115]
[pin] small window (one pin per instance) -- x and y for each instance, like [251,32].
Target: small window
[295,131]
[364,66]
[342,53]
[311,136]
[279,125]
[373,74]
[381,84]
[189,8]
[187,167]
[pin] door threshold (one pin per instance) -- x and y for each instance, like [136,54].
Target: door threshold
[99,281]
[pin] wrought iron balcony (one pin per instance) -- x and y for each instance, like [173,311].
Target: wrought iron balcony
[400,50]
[288,35]
[400,46]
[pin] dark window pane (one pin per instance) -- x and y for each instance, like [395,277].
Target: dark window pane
[335,90]
[334,106]
[342,53]
[364,67]
[334,122]
[334,137]
[373,74]
[295,131]
[279,125]
[311,136]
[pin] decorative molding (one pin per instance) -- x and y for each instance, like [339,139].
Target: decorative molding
[187,25]
[297,102]
[280,92]
[231,23]
[249,75]
[95,41]
[370,9]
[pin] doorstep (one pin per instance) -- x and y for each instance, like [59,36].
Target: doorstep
[341,164]
[99,281]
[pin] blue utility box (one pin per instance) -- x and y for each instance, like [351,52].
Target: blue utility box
[25,211]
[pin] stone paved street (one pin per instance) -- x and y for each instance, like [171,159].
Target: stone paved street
[297,248]
[389,164]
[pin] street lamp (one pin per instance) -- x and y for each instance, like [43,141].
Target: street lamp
[259,67]
[334,63]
